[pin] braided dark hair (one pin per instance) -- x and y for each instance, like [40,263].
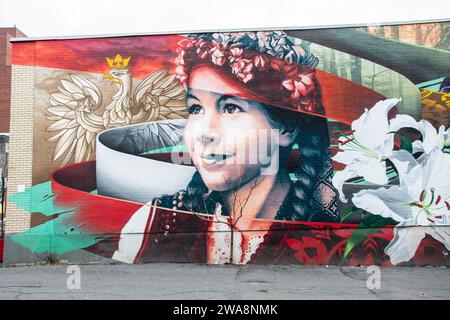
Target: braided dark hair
[313,189]
[315,198]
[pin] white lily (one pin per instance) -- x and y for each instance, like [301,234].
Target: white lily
[431,138]
[365,149]
[420,203]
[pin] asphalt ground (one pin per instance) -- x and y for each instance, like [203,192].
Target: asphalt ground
[191,281]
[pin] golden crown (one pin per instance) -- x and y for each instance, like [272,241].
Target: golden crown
[118,62]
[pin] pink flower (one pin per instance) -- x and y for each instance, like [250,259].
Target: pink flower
[277,64]
[218,54]
[243,69]
[301,85]
[307,104]
[179,60]
[186,43]
[181,75]
[203,48]
[235,54]
[261,62]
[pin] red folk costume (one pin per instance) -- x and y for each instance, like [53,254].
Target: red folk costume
[177,236]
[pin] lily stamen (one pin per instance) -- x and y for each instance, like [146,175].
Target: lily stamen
[432,196]
[422,195]
[438,200]
[346,133]
[431,208]
[346,141]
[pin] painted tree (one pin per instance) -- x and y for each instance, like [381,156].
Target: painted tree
[444,41]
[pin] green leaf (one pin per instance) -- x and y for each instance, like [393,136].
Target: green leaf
[369,225]
[405,143]
[347,213]
[447,142]
[358,236]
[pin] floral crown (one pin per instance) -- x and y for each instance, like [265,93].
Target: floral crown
[268,63]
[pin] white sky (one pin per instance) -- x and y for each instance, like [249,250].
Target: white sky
[46,18]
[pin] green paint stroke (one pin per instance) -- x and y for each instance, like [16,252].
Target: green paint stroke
[431,85]
[56,236]
[38,198]
[177,148]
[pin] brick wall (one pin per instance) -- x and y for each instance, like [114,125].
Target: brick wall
[5,81]
[5,74]
[21,144]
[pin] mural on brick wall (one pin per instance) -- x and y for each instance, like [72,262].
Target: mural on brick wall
[249,147]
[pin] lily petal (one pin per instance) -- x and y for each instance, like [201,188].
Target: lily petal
[347,156]
[403,121]
[431,138]
[387,202]
[339,178]
[417,146]
[403,246]
[436,172]
[373,171]
[404,162]
[372,126]
[441,234]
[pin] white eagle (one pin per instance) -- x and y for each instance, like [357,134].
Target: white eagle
[78,113]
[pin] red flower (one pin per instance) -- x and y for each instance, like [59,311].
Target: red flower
[309,250]
[301,85]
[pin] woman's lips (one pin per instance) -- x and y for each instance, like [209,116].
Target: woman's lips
[211,159]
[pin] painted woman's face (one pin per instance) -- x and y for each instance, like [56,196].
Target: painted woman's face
[229,139]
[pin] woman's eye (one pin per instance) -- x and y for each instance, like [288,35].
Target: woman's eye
[231,108]
[195,109]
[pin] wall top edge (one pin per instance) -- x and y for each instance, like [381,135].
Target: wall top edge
[30,39]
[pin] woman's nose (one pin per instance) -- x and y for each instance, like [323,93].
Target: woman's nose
[210,129]
[207,138]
